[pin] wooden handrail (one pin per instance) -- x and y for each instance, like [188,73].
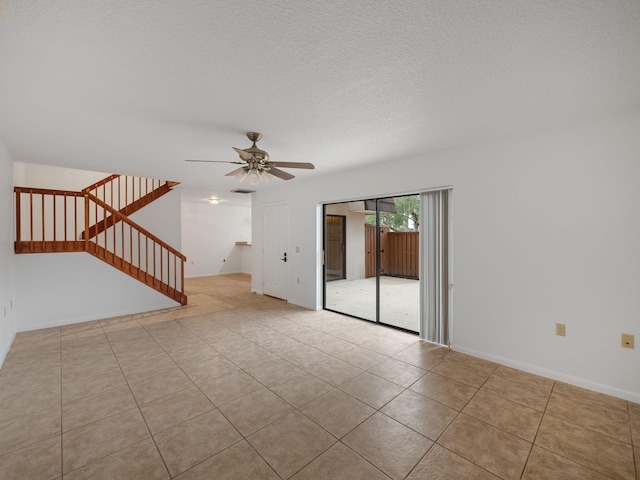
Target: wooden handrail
[101,183]
[47,191]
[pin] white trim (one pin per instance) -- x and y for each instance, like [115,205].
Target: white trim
[93,318]
[450,282]
[415,191]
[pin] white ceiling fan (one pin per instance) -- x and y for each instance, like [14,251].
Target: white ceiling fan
[256,165]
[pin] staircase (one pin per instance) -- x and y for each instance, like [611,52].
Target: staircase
[96,220]
[126,194]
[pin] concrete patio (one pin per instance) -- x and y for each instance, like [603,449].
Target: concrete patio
[399,300]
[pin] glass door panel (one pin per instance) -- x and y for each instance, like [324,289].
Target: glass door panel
[399,291]
[354,292]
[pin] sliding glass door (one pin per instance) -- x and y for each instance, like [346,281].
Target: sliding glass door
[380,249]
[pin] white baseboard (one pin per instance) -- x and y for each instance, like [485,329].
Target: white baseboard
[3,354]
[552,374]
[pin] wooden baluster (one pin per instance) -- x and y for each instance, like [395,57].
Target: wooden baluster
[43,215]
[121,244]
[64,208]
[115,245]
[86,223]
[75,218]
[146,258]
[153,244]
[161,264]
[104,226]
[55,225]
[18,218]
[175,270]
[182,276]
[31,220]
[138,256]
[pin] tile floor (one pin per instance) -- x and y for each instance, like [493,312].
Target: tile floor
[241,386]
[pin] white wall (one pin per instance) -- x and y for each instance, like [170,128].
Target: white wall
[63,288]
[45,176]
[546,229]
[59,289]
[210,233]
[162,218]
[7,293]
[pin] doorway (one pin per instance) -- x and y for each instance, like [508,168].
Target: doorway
[275,221]
[398,262]
[336,234]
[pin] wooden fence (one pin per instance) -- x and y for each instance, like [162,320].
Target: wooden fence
[399,253]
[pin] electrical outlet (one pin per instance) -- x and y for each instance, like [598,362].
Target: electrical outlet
[561,329]
[193,262]
[627,340]
[297,249]
[297,279]
[5,311]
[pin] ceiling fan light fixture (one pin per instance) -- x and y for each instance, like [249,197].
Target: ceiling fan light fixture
[253,177]
[256,165]
[241,175]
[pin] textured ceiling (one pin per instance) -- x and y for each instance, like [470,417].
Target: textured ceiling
[136,87]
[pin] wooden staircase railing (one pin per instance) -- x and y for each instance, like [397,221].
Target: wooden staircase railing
[127,194]
[51,221]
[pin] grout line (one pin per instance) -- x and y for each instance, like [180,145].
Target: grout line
[136,402]
[254,317]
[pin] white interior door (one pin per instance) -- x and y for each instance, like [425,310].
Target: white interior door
[276,241]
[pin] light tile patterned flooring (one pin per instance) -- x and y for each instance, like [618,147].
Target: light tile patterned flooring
[241,386]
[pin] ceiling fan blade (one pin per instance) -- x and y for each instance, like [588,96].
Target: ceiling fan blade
[236,171]
[308,166]
[214,161]
[243,155]
[280,174]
